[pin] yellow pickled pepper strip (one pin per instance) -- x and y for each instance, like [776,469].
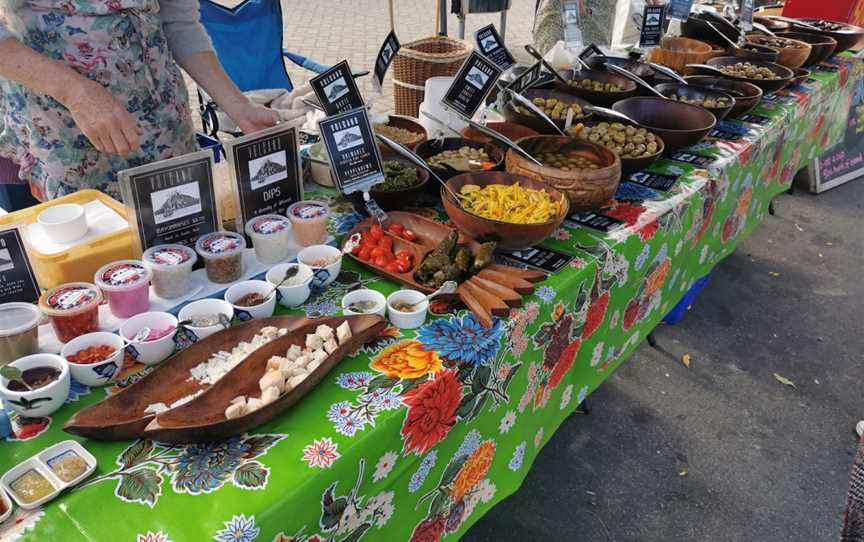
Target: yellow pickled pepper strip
[510,203]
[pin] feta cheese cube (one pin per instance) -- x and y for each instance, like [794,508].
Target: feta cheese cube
[325,332]
[253,404]
[331,346]
[343,332]
[271,378]
[235,410]
[313,342]
[294,352]
[317,357]
[239,399]
[270,395]
[296,380]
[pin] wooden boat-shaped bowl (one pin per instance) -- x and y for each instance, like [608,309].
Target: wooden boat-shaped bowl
[121,416]
[203,419]
[511,114]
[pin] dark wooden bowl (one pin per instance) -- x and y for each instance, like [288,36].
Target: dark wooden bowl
[603,99]
[587,189]
[772,24]
[203,418]
[746,95]
[695,28]
[632,165]
[508,235]
[680,125]
[850,37]
[410,124]
[821,46]
[801,75]
[767,85]
[792,55]
[510,130]
[537,124]
[431,147]
[752,51]
[634,66]
[696,93]
[407,197]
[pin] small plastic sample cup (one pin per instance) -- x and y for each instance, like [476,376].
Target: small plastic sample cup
[309,219]
[171,269]
[271,237]
[223,255]
[73,309]
[19,331]
[126,284]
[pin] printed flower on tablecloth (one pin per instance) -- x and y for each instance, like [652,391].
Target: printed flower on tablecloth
[561,234]
[546,293]
[384,466]
[431,412]
[473,470]
[350,516]
[419,476]
[238,529]
[205,467]
[379,508]
[345,420]
[407,359]
[507,421]
[643,256]
[597,354]
[321,453]
[462,340]
[564,364]
[566,396]
[614,319]
[485,490]
[538,438]
[354,381]
[76,391]
[470,443]
[343,223]
[19,523]
[152,537]
[518,456]
[384,399]
[583,392]
[429,530]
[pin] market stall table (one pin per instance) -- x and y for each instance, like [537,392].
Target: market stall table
[416,435]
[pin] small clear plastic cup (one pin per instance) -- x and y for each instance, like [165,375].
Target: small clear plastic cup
[309,219]
[223,255]
[73,309]
[19,331]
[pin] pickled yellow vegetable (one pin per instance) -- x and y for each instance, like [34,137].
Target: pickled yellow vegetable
[509,203]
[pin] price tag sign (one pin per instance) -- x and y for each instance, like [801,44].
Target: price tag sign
[658,181]
[17,279]
[571,15]
[265,172]
[680,9]
[541,259]
[591,50]
[490,42]
[171,201]
[723,135]
[385,57]
[594,221]
[755,119]
[653,20]
[471,85]
[336,90]
[695,159]
[526,79]
[353,151]
[747,15]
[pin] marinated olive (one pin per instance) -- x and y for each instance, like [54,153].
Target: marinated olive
[463,159]
[566,161]
[748,71]
[704,102]
[626,141]
[597,86]
[554,108]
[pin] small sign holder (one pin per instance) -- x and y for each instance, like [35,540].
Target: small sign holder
[17,279]
[571,15]
[492,46]
[653,21]
[471,85]
[171,201]
[747,15]
[353,151]
[526,79]
[336,89]
[385,57]
[680,9]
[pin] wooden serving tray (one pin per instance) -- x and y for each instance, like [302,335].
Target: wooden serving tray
[491,292]
[121,416]
[203,419]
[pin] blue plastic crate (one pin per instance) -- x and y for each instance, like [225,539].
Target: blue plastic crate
[678,310]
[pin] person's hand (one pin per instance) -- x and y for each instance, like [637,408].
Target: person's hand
[252,117]
[104,120]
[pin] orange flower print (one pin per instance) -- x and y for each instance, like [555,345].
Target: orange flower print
[407,359]
[473,470]
[657,277]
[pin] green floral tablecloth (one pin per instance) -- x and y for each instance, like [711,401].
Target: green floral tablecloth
[418,434]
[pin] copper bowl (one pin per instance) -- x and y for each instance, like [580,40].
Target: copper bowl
[507,235]
[793,54]
[431,147]
[821,46]
[746,95]
[510,130]
[595,97]
[696,93]
[767,85]
[679,125]
[850,37]
[536,123]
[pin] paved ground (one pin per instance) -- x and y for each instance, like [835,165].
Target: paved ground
[722,451]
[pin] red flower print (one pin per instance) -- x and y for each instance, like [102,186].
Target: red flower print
[565,362]
[431,412]
[596,314]
[630,314]
[560,339]
[729,228]
[429,530]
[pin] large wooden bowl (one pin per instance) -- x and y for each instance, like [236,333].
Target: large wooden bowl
[510,130]
[821,46]
[431,147]
[696,93]
[596,97]
[784,74]
[632,65]
[680,125]
[849,37]
[676,52]
[587,189]
[793,54]
[508,235]
[536,123]
[746,95]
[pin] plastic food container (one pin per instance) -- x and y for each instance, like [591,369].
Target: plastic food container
[64,223]
[19,331]
[72,308]
[126,284]
[309,219]
[223,255]
[171,269]
[271,237]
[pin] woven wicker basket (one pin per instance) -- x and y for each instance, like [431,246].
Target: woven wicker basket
[419,60]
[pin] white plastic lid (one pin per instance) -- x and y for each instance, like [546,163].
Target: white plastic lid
[267,225]
[122,275]
[220,244]
[71,298]
[17,318]
[169,256]
[308,210]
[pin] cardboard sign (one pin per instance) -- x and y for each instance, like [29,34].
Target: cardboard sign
[526,79]
[385,56]
[336,90]
[471,85]
[17,279]
[657,181]
[353,150]
[265,172]
[653,19]
[541,259]
[490,43]
[594,221]
[747,15]
[571,16]
[172,201]
[680,9]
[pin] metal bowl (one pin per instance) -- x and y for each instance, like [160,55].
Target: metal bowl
[679,125]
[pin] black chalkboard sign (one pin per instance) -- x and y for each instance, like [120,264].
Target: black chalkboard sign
[493,48]
[17,279]
[471,85]
[591,220]
[526,79]
[650,179]
[689,158]
[172,201]
[653,19]
[265,172]
[542,259]
[353,151]
[680,9]
[336,90]
[385,57]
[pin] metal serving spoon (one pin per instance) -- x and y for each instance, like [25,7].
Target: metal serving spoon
[447,288]
[633,77]
[534,109]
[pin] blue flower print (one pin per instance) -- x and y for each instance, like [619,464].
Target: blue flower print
[384,399]
[422,472]
[354,381]
[238,529]
[629,191]
[546,293]
[203,468]
[345,222]
[344,419]
[518,456]
[471,443]
[466,340]
[76,390]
